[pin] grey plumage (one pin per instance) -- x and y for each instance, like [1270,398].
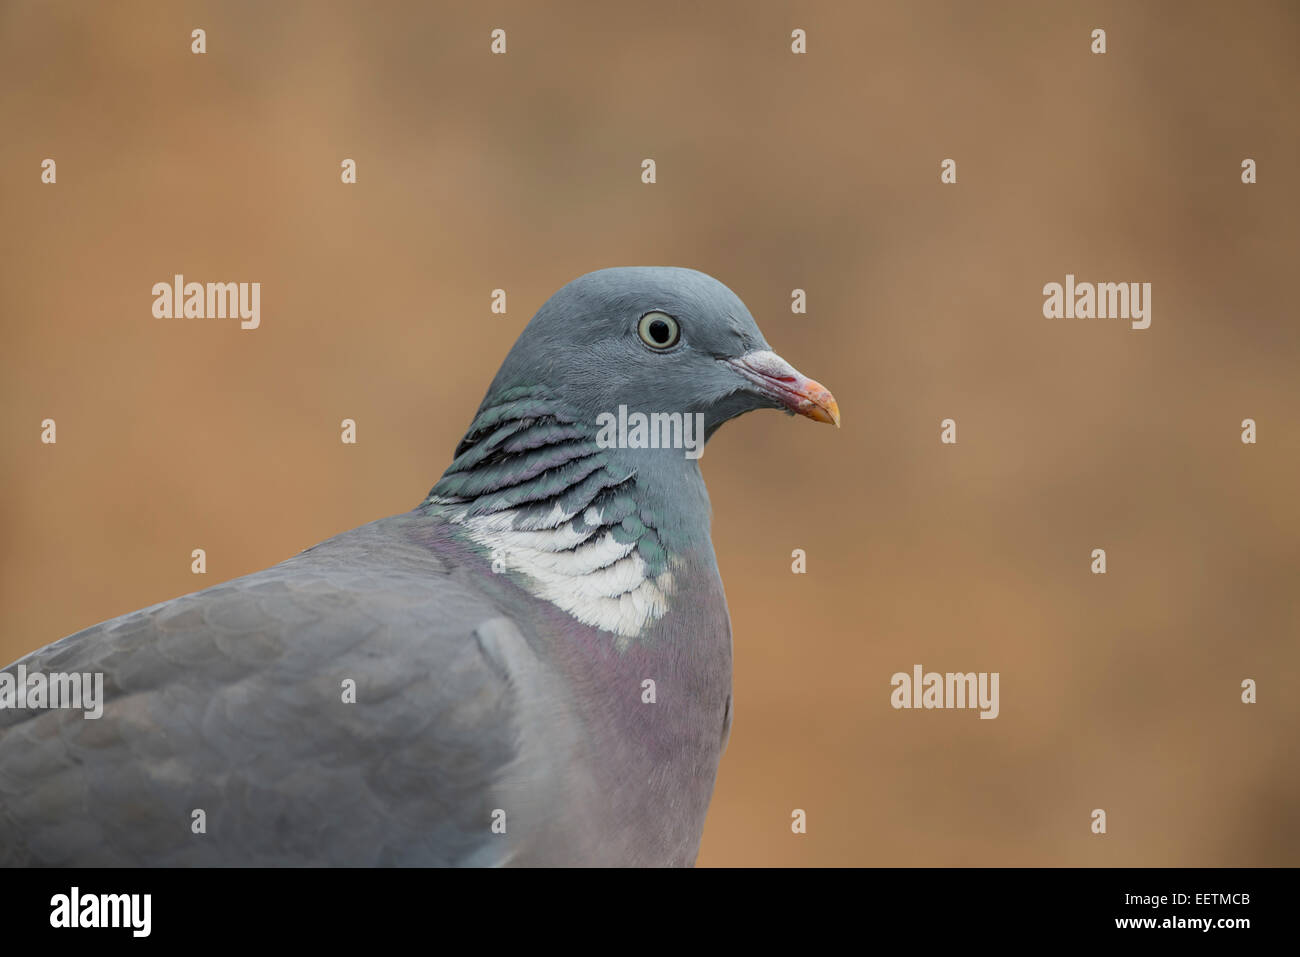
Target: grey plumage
[498,635]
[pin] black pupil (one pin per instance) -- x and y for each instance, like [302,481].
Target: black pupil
[659,331]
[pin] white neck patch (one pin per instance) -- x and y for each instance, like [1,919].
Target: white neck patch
[586,573]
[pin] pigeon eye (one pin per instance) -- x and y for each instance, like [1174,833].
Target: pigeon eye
[658,330]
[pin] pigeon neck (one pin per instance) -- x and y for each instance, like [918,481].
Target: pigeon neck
[584,527]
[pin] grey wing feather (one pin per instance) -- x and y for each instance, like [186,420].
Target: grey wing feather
[230,701]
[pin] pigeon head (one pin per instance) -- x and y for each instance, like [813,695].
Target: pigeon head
[656,340]
[577,476]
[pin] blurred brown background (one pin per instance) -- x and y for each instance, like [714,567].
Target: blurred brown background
[775,171]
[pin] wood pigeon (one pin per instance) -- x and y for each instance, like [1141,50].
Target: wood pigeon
[531,667]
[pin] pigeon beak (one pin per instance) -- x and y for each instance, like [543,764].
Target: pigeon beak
[783,383]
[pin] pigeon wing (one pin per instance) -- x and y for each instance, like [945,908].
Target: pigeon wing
[234,702]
